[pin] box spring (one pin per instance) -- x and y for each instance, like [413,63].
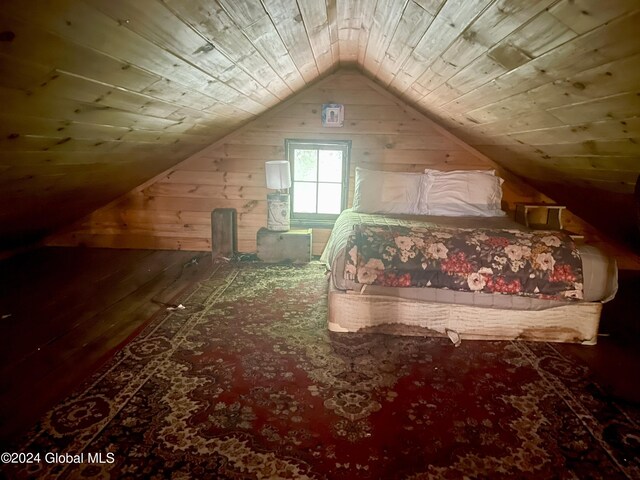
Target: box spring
[353,312]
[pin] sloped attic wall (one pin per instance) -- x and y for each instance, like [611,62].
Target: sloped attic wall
[556,101]
[549,89]
[173,211]
[99,95]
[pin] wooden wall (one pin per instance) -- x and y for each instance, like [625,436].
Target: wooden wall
[83,120]
[173,210]
[555,100]
[556,97]
[100,95]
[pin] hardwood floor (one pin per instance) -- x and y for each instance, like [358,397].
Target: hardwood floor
[615,360]
[65,311]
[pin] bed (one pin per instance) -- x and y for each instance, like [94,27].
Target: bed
[473,311]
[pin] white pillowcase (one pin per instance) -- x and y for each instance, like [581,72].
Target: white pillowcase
[386,192]
[461,193]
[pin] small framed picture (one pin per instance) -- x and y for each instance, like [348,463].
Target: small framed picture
[332,115]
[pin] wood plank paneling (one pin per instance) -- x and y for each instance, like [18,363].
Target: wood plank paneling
[230,174]
[213,23]
[316,21]
[584,15]
[386,17]
[411,27]
[64,54]
[527,81]
[349,17]
[452,19]
[84,96]
[264,36]
[286,17]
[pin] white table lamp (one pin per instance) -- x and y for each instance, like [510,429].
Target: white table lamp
[278,176]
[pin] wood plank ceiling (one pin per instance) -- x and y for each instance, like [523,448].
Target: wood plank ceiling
[100,95]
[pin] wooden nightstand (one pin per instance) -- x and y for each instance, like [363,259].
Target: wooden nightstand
[293,246]
[543,216]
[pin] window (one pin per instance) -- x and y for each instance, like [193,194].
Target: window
[320,180]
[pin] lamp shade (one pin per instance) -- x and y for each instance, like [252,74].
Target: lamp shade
[278,174]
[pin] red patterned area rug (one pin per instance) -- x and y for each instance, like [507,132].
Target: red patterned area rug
[247,382]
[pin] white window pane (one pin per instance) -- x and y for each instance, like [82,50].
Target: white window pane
[306,165]
[329,197]
[330,166]
[304,197]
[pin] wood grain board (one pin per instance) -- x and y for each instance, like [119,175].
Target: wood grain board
[230,173]
[173,210]
[91,82]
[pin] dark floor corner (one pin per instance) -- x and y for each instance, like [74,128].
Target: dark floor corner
[615,360]
[65,311]
[620,317]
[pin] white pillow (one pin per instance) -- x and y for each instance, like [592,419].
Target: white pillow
[461,193]
[386,192]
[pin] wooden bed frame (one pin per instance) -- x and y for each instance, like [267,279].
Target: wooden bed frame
[352,312]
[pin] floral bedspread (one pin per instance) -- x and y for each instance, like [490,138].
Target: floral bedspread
[540,264]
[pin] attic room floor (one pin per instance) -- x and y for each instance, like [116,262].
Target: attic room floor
[65,311]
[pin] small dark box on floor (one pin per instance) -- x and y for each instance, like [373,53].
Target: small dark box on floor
[293,246]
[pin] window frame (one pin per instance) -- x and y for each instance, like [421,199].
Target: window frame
[318,219]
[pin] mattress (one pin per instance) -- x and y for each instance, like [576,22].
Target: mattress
[599,271]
